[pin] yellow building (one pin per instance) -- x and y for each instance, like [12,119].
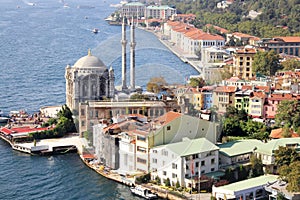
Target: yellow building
[242,63]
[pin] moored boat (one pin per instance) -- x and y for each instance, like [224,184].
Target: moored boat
[95,30]
[143,192]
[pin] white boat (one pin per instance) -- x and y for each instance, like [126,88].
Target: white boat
[4,119]
[95,30]
[143,192]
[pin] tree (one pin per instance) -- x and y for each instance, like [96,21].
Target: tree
[158,181]
[156,84]
[197,82]
[290,64]
[291,174]
[288,112]
[232,111]
[256,168]
[266,62]
[285,156]
[139,97]
[167,182]
[256,130]
[177,184]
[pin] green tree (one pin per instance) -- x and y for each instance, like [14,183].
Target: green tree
[156,84]
[288,112]
[256,168]
[285,156]
[197,82]
[139,97]
[158,181]
[266,62]
[290,64]
[167,182]
[291,174]
[177,184]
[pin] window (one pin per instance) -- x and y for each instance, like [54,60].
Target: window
[168,128]
[140,160]
[202,162]
[174,166]
[154,160]
[212,161]
[141,138]
[82,112]
[164,173]
[82,123]
[174,175]
[212,169]
[154,151]
[141,149]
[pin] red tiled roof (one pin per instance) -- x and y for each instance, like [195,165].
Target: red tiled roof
[233,79]
[242,35]
[226,89]
[277,133]
[246,87]
[168,117]
[222,30]
[264,88]
[246,50]
[88,156]
[259,95]
[174,23]
[289,38]
[24,129]
[281,97]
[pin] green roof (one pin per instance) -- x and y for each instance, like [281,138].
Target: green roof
[239,147]
[271,146]
[250,183]
[162,7]
[134,4]
[190,147]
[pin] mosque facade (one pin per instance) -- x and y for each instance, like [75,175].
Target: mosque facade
[89,79]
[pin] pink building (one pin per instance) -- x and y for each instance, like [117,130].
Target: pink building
[273,100]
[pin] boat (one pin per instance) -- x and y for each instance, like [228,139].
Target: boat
[95,30]
[143,192]
[3,119]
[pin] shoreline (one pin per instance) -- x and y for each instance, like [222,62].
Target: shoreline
[109,174]
[175,50]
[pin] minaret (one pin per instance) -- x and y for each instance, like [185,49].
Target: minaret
[124,43]
[132,56]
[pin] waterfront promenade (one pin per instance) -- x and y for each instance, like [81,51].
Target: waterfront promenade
[176,50]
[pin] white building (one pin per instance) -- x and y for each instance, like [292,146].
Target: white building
[127,153]
[247,189]
[183,161]
[267,151]
[237,152]
[190,39]
[160,12]
[133,9]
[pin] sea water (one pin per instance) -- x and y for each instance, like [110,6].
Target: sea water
[38,39]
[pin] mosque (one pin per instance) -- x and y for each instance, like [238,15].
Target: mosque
[90,80]
[90,89]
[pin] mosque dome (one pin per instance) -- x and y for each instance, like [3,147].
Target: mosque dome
[89,61]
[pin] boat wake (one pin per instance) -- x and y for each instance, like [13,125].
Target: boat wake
[29,3]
